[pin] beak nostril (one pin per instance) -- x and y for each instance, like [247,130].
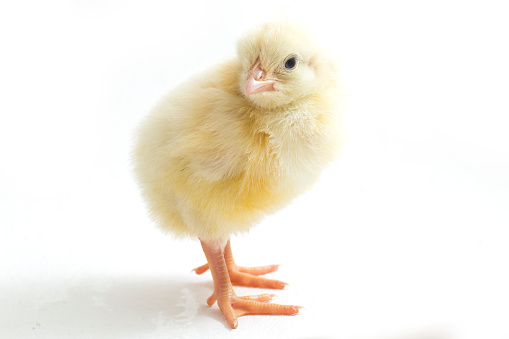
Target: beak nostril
[259,74]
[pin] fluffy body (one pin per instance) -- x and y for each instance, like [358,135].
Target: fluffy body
[212,161]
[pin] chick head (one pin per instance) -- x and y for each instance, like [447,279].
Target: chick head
[280,64]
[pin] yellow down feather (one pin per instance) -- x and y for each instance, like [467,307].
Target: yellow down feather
[212,161]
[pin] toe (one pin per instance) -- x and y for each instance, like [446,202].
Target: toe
[244,279]
[245,307]
[228,312]
[259,270]
[202,269]
[260,298]
[211,300]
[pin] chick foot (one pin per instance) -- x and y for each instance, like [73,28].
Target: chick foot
[246,276]
[231,305]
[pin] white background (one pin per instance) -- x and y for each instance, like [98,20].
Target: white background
[406,235]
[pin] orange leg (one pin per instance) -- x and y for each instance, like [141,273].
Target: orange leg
[246,276]
[229,303]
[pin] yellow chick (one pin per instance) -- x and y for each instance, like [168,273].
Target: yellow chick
[237,142]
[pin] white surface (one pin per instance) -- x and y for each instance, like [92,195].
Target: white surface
[406,236]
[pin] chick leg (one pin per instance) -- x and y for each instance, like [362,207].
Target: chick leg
[246,276]
[229,303]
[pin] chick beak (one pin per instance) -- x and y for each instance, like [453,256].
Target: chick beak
[257,82]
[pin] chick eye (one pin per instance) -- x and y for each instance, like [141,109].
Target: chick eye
[290,63]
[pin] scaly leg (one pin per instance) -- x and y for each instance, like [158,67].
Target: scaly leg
[229,303]
[246,276]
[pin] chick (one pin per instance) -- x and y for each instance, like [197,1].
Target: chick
[235,143]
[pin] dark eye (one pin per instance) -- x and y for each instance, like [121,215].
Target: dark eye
[290,63]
